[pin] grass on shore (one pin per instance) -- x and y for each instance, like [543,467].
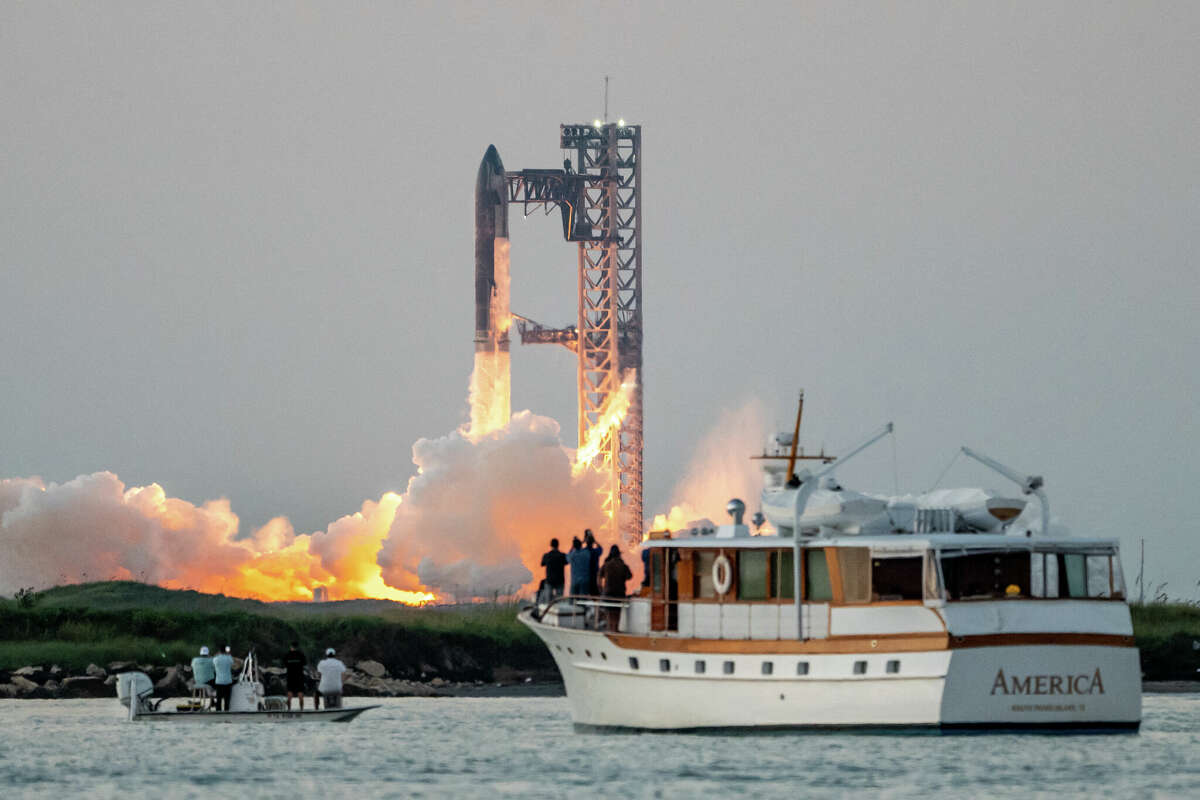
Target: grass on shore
[120,620]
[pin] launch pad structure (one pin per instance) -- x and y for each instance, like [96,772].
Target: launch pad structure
[598,192]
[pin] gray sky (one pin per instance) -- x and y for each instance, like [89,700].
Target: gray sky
[236,239]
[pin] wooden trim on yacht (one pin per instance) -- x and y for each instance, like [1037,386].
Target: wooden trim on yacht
[1018,639]
[882,643]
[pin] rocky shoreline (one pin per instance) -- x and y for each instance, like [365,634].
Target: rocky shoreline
[365,678]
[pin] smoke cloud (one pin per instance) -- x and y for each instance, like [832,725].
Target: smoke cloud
[720,469]
[481,510]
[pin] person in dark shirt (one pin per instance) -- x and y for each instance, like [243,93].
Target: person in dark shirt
[295,662]
[594,551]
[615,573]
[555,563]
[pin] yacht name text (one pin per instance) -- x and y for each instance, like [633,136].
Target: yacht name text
[1083,683]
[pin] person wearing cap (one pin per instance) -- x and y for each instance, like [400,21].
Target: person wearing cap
[202,669]
[223,666]
[331,670]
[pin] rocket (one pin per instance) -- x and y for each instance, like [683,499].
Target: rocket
[491,239]
[491,394]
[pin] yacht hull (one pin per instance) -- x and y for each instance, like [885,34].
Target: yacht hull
[656,685]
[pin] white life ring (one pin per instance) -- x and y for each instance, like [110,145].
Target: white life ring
[722,574]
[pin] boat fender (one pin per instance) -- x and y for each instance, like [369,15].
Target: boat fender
[722,574]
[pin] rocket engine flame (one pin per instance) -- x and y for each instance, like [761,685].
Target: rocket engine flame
[608,423]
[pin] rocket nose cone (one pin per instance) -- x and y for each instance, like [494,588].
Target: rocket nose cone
[491,160]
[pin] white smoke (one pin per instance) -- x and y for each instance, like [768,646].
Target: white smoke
[481,511]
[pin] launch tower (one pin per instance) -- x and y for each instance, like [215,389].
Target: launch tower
[599,193]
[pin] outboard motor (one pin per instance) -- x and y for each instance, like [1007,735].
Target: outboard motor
[133,691]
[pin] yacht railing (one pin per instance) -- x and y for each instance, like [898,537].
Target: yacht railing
[584,612]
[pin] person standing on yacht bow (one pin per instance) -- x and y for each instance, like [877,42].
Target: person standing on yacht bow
[580,561]
[595,552]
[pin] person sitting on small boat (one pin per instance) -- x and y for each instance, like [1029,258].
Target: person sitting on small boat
[202,669]
[615,573]
[331,670]
[580,560]
[223,666]
[294,662]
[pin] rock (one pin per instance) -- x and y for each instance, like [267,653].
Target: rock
[36,674]
[172,683]
[7,690]
[23,684]
[57,672]
[121,666]
[438,682]
[95,671]
[372,668]
[84,686]
[52,685]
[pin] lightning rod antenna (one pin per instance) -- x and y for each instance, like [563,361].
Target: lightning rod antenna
[605,99]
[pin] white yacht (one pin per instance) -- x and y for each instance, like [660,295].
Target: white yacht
[927,610]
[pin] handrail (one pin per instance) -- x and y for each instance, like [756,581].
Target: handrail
[587,601]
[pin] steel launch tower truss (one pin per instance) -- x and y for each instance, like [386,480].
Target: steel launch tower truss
[599,195]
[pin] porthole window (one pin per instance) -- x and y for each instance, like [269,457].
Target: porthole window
[569,650]
[700,666]
[860,668]
[587,653]
[633,662]
[728,667]
[802,668]
[604,656]
[893,666]
[768,667]
[664,665]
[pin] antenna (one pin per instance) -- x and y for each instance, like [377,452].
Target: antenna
[605,99]
[791,470]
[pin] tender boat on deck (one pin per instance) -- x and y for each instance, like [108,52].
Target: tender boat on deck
[247,702]
[928,610]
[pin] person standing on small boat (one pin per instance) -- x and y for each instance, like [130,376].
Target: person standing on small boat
[615,573]
[223,666]
[331,670]
[595,552]
[295,662]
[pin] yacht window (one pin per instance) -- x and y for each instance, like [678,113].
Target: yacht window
[897,578]
[1074,567]
[700,667]
[860,668]
[633,664]
[656,570]
[817,587]
[664,665]
[781,574]
[893,666]
[752,575]
[985,576]
[855,565]
[728,667]
[1037,575]
[1098,577]
[703,582]
[1118,577]
[802,668]
[768,667]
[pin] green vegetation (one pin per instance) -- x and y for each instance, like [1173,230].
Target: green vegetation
[73,626]
[1167,635]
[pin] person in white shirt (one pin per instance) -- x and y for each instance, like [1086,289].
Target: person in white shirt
[331,670]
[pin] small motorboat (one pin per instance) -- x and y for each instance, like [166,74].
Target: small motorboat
[247,702]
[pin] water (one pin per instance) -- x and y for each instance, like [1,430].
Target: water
[501,747]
